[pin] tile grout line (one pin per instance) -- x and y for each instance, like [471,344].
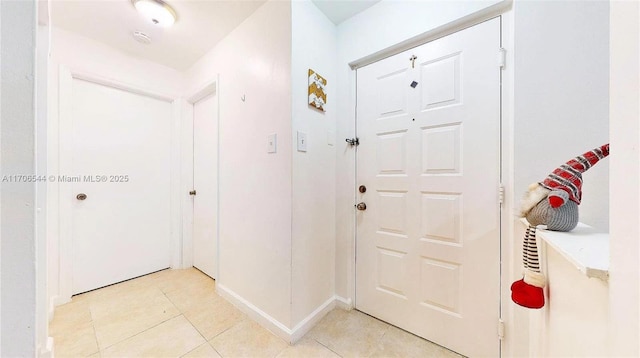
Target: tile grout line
[90,310]
[144,330]
[206,341]
[214,348]
[237,323]
[168,319]
[320,343]
[283,349]
[170,300]
[217,335]
[95,335]
[93,326]
[377,348]
[191,323]
[196,328]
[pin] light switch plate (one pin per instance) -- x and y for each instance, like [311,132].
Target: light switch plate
[272,141]
[302,141]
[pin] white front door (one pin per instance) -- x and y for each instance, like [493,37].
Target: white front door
[120,159]
[428,243]
[205,182]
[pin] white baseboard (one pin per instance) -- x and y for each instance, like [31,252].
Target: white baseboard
[54,302]
[60,300]
[256,314]
[344,303]
[312,319]
[47,352]
[276,327]
[52,308]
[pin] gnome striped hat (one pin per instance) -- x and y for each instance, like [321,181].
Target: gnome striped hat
[568,176]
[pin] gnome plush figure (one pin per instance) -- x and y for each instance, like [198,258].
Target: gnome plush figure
[554,203]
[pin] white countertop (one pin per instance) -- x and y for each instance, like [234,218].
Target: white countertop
[584,247]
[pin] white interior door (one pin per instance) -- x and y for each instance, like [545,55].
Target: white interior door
[205,182]
[121,161]
[428,243]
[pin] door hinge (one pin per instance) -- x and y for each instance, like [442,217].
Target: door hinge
[500,329]
[502,57]
[192,192]
[353,141]
[500,193]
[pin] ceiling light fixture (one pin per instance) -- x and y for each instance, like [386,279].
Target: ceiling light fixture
[157,11]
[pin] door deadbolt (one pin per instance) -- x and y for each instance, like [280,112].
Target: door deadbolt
[81,196]
[362,189]
[361,206]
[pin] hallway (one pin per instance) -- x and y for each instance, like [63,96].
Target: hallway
[177,313]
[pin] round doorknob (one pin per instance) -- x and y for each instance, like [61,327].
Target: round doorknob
[81,196]
[361,206]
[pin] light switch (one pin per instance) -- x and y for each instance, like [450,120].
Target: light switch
[302,141]
[272,143]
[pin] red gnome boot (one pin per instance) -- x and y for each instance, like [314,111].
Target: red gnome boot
[527,295]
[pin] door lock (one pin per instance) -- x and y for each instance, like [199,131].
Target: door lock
[353,141]
[362,189]
[81,196]
[361,206]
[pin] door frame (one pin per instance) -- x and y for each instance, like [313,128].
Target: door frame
[210,87]
[510,266]
[64,136]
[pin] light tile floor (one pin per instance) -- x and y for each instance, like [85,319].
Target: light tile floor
[177,313]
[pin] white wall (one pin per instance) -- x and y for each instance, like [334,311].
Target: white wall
[393,21]
[561,110]
[42,82]
[624,272]
[254,63]
[383,25]
[17,151]
[277,210]
[1,51]
[84,55]
[574,319]
[561,98]
[314,46]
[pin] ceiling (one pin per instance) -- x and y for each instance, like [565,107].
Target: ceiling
[200,26]
[340,10]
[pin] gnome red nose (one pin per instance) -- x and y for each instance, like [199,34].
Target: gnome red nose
[556,201]
[568,176]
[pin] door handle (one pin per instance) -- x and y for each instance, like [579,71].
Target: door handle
[81,196]
[361,206]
